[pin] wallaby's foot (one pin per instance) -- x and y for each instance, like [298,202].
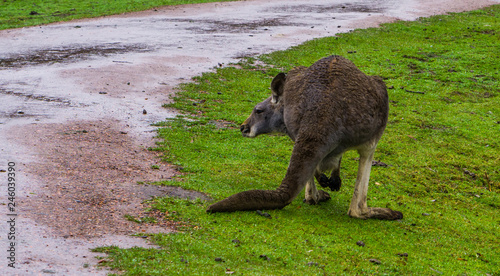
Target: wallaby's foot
[376,213]
[333,183]
[321,196]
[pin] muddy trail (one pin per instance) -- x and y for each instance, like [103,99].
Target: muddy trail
[77,101]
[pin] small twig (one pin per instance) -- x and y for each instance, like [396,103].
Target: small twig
[488,180]
[416,92]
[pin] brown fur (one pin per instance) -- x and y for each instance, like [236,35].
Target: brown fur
[326,109]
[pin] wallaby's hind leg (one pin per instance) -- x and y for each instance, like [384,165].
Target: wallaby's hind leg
[334,182]
[358,207]
[313,195]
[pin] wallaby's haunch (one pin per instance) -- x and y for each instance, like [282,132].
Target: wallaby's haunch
[326,109]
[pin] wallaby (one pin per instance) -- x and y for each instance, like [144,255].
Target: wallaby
[326,109]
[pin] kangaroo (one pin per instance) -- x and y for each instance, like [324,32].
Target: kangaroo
[326,109]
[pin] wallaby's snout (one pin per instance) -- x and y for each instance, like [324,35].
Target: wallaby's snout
[245,129]
[266,117]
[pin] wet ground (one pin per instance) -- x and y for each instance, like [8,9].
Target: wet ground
[77,101]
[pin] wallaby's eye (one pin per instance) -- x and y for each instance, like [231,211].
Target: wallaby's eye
[258,111]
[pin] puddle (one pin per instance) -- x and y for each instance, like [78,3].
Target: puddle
[204,26]
[22,106]
[355,7]
[43,98]
[69,54]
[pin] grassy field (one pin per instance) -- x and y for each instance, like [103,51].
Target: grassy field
[21,13]
[441,146]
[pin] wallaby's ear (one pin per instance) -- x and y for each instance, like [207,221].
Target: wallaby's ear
[277,87]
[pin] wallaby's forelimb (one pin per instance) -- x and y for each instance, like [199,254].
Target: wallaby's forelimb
[334,182]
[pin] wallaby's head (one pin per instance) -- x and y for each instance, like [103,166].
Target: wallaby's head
[267,116]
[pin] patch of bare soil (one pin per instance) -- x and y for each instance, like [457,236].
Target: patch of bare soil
[91,172]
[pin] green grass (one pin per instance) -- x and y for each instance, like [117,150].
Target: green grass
[442,148]
[22,13]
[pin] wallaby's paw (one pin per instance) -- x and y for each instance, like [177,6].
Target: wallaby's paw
[322,196]
[377,213]
[333,183]
[323,180]
[384,214]
[393,215]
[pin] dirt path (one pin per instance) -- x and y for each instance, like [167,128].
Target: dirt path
[77,100]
